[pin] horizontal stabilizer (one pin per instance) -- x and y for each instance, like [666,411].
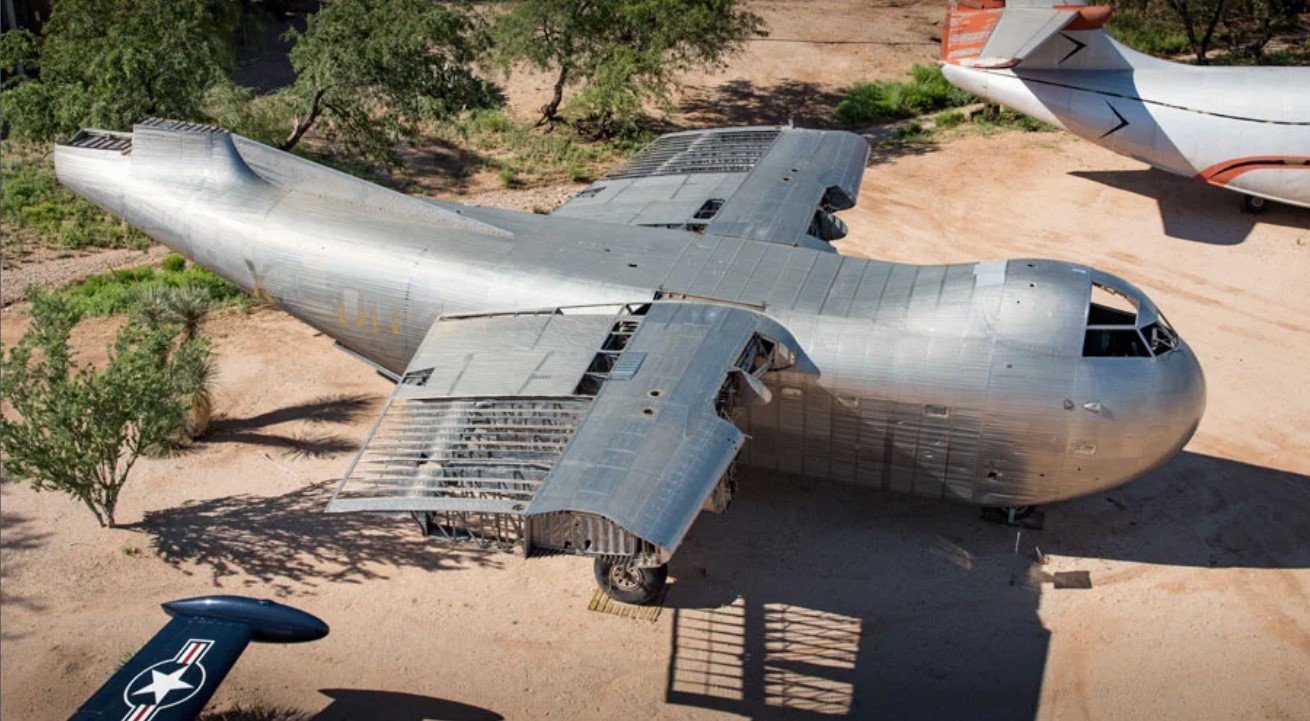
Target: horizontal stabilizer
[173,676]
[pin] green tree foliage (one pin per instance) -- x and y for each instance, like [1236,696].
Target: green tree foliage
[621,54]
[109,64]
[79,430]
[1239,29]
[368,72]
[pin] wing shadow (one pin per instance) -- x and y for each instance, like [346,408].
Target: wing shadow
[810,600]
[353,704]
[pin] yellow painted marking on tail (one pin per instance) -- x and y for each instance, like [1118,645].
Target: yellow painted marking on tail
[341,313]
[395,326]
[374,319]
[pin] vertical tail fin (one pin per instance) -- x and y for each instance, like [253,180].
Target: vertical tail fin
[997,34]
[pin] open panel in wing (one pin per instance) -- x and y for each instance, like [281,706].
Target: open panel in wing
[597,431]
[774,184]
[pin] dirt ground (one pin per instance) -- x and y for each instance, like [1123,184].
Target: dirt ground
[804,601]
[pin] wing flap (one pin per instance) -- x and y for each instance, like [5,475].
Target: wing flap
[614,449]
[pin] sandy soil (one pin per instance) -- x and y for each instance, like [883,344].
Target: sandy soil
[804,600]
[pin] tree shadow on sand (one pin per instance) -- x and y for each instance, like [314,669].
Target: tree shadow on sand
[18,535]
[341,409]
[819,601]
[741,102]
[287,542]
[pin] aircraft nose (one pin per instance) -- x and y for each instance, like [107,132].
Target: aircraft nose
[1180,391]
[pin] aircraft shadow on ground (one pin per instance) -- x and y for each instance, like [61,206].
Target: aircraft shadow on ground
[355,704]
[1190,210]
[328,409]
[814,601]
[287,543]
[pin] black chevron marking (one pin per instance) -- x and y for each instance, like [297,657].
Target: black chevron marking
[1078,46]
[1122,123]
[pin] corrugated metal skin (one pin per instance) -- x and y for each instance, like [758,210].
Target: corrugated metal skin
[996,345]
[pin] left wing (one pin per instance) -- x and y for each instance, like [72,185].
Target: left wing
[172,677]
[596,431]
[774,184]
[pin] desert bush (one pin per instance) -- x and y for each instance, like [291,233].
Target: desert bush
[950,119]
[79,430]
[926,91]
[122,290]
[31,199]
[529,157]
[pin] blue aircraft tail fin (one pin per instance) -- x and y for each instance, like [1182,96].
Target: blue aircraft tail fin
[172,677]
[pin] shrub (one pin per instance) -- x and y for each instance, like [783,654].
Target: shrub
[950,119]
[79,430]
[927,91]
[122,290]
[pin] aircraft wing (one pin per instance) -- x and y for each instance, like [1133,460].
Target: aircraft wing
[172,677]
[775,184]
[599,431]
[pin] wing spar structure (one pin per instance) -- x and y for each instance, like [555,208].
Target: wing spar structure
[598,431]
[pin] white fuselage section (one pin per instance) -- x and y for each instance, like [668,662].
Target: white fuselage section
[1246,129]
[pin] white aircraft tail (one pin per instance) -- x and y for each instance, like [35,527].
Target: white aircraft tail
[1037,34]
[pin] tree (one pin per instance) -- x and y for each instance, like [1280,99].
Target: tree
[622,54]
[1249,25]
[78,429]
[370,71]
[1199,19]
[109,64]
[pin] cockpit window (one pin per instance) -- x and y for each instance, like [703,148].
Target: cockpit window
[1114,343]
[1159,338]
[1110,307]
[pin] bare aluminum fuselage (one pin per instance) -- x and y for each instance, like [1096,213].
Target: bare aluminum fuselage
[952,381]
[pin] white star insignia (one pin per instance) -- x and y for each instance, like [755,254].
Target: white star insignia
[162,684]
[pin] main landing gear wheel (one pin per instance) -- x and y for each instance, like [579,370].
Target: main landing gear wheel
[1254,205]
[630,584]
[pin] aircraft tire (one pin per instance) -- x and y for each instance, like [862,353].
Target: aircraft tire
[628,584]
[1254,205]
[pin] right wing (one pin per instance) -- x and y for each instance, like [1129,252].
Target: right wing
[598,431]
[774,184]
[174,674]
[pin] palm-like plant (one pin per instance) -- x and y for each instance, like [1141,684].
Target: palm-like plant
[186,308]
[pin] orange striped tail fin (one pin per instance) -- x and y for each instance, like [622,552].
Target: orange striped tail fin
[987,34]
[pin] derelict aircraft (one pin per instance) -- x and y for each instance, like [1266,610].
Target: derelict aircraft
[172,677]
[585,382]
[1242,128]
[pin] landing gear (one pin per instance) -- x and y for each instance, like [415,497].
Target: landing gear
[1017,516]
[1254,205]
[631,584]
